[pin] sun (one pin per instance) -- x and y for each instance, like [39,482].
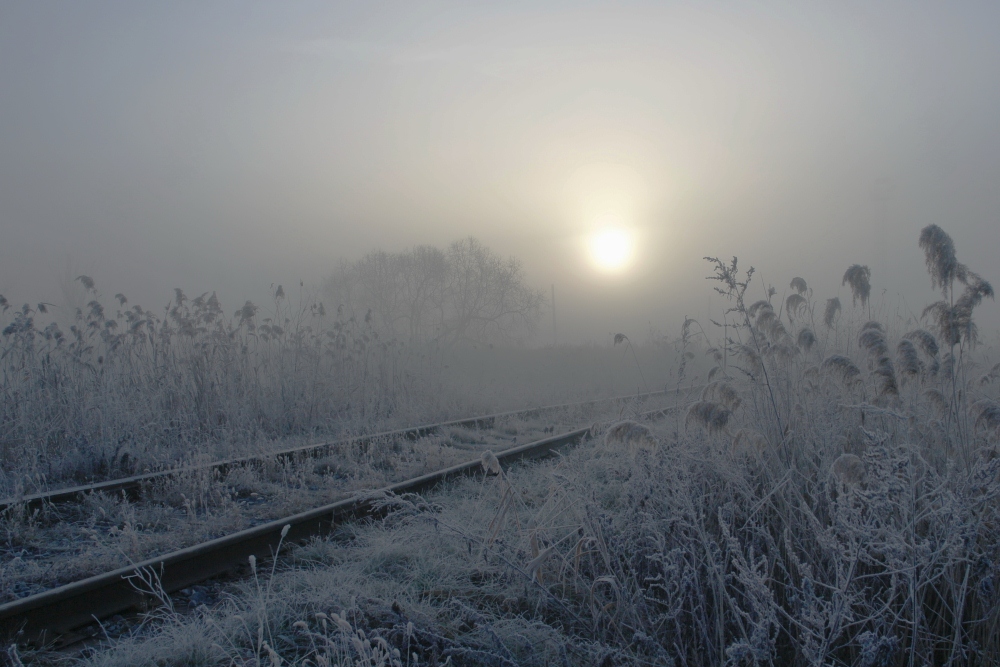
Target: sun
[611,249]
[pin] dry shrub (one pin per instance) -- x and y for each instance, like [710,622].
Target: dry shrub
[635,437]
[749,441]
[711,416]
[722,392]
[849,469]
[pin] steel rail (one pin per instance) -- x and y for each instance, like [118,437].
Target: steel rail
[42,619]
[132,485]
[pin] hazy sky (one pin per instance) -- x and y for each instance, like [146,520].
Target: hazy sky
[226,146]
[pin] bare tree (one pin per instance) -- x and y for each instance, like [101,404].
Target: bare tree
[422,292]
[486,296]
[466,294]
[381,276]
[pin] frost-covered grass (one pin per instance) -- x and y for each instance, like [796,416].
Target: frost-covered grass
[58,544]
[114,389]
[121,389]
[691,554]
[831,498]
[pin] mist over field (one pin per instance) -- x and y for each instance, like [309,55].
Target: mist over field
[513,334]
[229,146]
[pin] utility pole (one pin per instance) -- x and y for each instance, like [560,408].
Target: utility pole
[555,338]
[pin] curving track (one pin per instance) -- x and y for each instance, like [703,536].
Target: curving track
[133,485]
[50,618]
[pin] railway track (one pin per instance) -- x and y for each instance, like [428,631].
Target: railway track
[51,617]
[132,486]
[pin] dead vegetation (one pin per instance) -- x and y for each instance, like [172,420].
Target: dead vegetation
[819,504]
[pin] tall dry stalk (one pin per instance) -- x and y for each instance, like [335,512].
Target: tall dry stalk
[735,290]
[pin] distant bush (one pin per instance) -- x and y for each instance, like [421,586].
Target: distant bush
[465,294]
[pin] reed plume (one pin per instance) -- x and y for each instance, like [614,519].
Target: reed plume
[711,416]
[723,392]
[831,311]
[939,253]
[750,441]
[948,364]
[793,304]
[806,339]
[976,289]
[954,322]
[758,306]
[859,278]
[872,339]
[87,282]
[909,359]
[785,350]
[928,344]
[843,368]
[748,353]
[953,319]
[926,340]
[768,322]
[799,285]
[247,312]
[987,414]
[849,470]
[937,401]
[633,435]
[886,376]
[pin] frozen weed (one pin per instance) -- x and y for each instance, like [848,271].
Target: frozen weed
[854,520]
[633,436]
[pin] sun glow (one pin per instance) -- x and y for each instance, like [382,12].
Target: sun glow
[611,249]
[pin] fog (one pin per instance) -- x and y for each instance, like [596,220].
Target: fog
[231,146]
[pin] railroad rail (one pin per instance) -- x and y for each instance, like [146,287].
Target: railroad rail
[132,485]
[50,618]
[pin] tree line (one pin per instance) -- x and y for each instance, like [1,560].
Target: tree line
[466,293]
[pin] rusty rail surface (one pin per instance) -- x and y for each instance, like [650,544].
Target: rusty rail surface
[49,618]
